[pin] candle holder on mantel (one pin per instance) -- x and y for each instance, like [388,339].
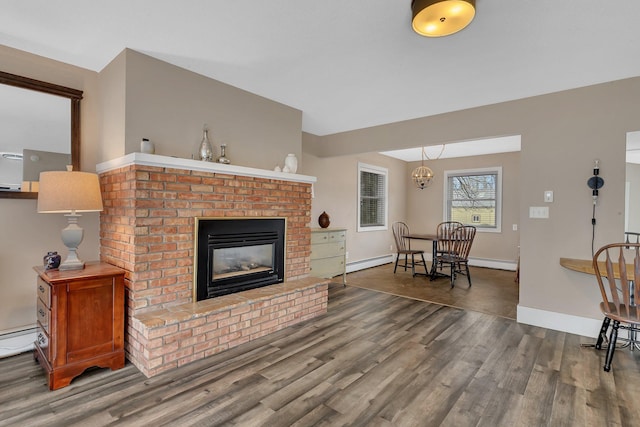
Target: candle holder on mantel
[223,155]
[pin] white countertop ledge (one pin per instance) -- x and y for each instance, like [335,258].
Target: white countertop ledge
[198,165]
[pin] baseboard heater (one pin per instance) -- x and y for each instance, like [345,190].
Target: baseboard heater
[17,342]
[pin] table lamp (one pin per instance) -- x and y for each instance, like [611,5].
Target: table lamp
[70,192]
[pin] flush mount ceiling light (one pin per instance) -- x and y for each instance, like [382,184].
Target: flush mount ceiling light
[437,18]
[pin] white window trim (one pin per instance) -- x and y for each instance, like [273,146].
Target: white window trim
[498,169]
[363,167]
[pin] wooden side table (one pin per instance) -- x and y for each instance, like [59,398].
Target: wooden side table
[80,321]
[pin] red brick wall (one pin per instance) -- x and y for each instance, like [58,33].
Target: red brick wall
[168,339]
[147,226]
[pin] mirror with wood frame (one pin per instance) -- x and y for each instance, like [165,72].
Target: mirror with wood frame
[12,111]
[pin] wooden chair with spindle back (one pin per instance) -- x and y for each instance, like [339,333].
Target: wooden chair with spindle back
[617,269]
[455,250]
[444,232]
[403,247]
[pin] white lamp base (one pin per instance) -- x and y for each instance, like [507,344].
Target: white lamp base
[72,236]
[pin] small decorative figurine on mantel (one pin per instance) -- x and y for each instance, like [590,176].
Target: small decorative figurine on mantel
[223,157]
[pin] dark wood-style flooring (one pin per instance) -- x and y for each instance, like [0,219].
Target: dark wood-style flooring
[492,291]
[373,360]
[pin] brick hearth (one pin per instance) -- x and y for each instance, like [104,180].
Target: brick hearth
[147,228]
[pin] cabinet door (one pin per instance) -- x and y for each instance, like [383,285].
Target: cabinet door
[89,318]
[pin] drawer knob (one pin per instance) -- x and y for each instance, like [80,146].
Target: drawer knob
[41,312]
[41,288]
[41,339]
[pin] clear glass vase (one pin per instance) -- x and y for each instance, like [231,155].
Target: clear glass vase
[206,152]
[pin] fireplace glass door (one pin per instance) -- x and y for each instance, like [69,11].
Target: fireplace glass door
[235,255]
[242,260]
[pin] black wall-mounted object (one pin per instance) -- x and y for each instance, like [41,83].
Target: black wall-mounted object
[595,182]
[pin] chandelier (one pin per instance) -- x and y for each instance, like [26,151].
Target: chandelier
[422,175]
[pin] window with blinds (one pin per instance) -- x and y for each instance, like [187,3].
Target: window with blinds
[372,195]
[473,197]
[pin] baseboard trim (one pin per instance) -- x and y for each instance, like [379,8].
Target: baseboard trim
[584,326]
[498,264]
[493,263]
[17,342]
[474,262]
[369,263]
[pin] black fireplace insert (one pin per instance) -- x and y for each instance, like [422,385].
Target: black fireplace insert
[238,254]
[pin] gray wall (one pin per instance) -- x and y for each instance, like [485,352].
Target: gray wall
[425,207]
[562,133]
[169,105]
[336,192]
[135,96]
[25,235]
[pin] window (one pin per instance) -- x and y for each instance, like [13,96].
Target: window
[372,198]
[473,197]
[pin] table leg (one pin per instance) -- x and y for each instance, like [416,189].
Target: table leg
[434,251]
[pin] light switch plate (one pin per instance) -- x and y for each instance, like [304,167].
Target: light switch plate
[548,196]
[538,212]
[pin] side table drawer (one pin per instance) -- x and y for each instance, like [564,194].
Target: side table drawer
[337,236]
[328,237]
[327,250]
[44,292]
[42,341]
[327,267]
[44,315]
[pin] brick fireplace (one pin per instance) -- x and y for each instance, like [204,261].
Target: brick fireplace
[147,228]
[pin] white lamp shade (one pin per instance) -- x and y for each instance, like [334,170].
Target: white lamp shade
[65,192]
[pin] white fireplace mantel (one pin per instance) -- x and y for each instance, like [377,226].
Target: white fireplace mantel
[198,165]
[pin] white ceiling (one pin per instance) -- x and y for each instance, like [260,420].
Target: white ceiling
[346,64]
[458,149]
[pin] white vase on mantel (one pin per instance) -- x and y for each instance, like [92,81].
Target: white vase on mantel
[147,146]
[291,163]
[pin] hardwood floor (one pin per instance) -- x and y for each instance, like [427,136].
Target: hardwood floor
[373,360]
[492,291]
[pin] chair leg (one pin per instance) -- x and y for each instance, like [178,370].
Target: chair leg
[466,264]
[602,336]
[396,266]
[406,261]
[424,263]
[612,346]
[453,273]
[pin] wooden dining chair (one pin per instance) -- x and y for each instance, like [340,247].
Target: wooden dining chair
[444,232]
[631,237]
[455,252]
[403,247]
[617,269]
